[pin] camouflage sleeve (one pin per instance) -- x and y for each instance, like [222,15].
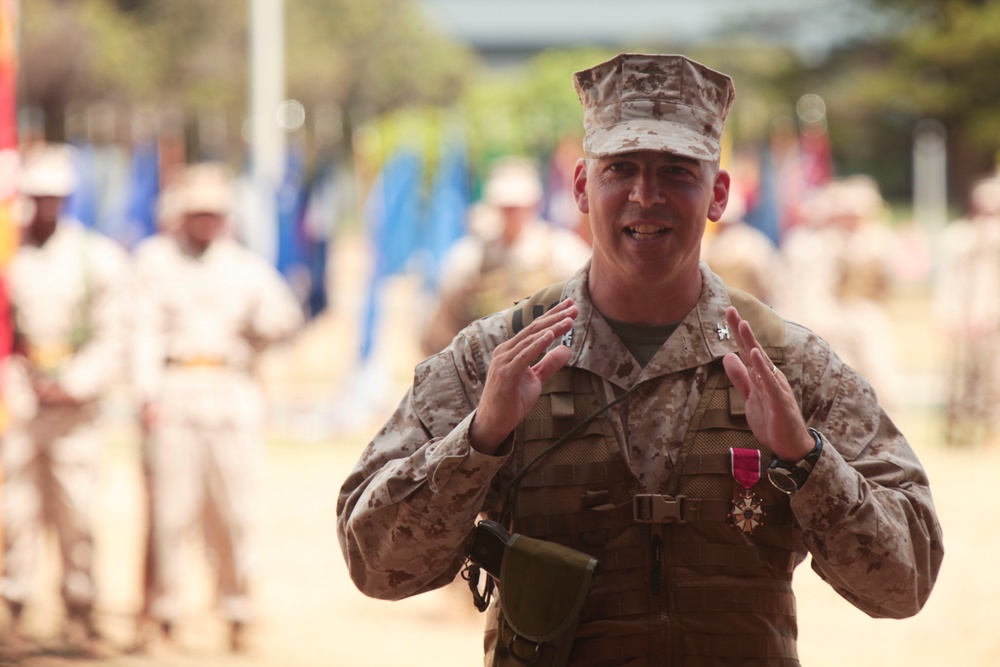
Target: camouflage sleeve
[866,512]
[406,511]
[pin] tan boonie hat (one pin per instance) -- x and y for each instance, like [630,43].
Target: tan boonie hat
[513,182]
[48,171]
[670,103]
[204,188]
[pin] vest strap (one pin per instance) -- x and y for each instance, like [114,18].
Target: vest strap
[526,310]
[735,600]
[740,647]
[602,650]
[696,600]
[549,429]
[734,556]
[571,475]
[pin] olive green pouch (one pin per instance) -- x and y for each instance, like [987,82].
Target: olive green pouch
[542,589]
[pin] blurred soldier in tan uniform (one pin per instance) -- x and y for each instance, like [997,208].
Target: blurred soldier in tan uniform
[510,252]
[838,273]
[642,415]
[69,296]
[742,255]
[967,310]
[148,253]
[206,308]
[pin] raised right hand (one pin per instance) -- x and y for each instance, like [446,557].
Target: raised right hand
[513,383]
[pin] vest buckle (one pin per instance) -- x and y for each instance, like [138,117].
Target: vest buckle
[654,508]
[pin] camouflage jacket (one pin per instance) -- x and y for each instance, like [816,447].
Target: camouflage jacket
[865,514]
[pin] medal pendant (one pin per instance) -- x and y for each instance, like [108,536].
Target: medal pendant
[747,512]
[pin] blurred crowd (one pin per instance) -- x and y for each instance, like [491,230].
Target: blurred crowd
[184,316]
[183,320]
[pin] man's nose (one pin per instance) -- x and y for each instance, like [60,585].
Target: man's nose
[646,190]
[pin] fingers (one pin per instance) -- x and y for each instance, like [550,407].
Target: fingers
[532,341]
[759,368]
[737,373]
[552,361]
[747,343]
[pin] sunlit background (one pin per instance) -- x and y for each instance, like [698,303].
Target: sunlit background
[362,130]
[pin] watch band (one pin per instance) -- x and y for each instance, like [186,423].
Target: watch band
[789,477]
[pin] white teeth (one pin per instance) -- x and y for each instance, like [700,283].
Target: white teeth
[646,231]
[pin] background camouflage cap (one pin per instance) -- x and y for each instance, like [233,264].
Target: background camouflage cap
[653,102]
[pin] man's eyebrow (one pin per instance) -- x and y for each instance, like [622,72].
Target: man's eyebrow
[669,157]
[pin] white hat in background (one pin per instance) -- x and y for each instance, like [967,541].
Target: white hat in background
[205,188]
[513,182]
[48,171]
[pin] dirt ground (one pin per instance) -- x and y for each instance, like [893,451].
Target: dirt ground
[310,615]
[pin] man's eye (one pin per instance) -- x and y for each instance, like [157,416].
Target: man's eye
[678,170]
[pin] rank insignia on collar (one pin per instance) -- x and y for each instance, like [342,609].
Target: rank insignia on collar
[747,512]
[722,330]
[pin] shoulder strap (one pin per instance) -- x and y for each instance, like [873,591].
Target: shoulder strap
[525,311]
[768,326]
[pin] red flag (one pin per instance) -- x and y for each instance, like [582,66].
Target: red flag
[9,166]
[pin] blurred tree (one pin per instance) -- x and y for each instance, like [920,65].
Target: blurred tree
[361,57]
[940,63]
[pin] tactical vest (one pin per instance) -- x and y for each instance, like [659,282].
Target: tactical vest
[678,583]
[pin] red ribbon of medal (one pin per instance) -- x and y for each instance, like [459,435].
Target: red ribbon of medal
[747,512]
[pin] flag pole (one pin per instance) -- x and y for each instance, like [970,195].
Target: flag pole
[267,138]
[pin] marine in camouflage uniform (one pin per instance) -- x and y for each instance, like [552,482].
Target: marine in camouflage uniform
[742,255]
[69,293]
[838,277]
[968,314]
[689,385]
[510,252]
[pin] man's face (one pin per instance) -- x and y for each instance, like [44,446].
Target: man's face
[202,228]
[647,213]
[47,209]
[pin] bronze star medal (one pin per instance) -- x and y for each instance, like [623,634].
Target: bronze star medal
[747,512]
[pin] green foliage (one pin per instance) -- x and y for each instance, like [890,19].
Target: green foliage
[526,111]
[363,57]
[942,64]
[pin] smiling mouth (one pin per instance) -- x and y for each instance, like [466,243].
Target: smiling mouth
[646,232]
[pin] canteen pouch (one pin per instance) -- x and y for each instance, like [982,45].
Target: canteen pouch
[542,587]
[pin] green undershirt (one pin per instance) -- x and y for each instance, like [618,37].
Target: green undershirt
[642,340]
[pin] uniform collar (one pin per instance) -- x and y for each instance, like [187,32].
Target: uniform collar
[701,337]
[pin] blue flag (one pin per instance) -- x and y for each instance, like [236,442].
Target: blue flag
[143,191]
[83,202]
[392,213]
[765,215]
[446,216]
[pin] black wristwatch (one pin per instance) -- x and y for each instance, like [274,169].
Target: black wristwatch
[789,477]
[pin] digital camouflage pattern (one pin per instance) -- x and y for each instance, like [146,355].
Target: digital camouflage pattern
[653,102]
[865,515]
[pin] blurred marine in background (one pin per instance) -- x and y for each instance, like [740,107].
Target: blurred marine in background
[510,252]
[206,308]
[68,289]
[967,311]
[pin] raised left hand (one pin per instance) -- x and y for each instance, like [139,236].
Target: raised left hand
[772,411]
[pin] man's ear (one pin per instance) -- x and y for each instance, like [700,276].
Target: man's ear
[580,186]
[720,196]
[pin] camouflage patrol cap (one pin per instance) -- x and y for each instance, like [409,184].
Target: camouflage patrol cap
[653,102]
